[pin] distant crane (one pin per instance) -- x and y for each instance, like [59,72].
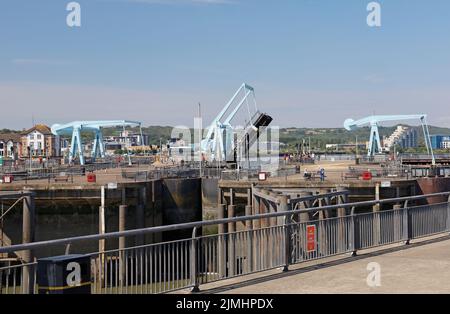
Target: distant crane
[75,128]
[373,121]
[219,144]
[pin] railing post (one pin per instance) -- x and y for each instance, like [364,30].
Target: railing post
[122,244]
[355,232]
[249,228]
[448,215]
[28,237]
[221,243]
[194,264]
[231,242]
[342,222]
[406,224]
[287,242]
[284,207]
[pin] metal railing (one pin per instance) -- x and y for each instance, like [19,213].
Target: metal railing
[189,263]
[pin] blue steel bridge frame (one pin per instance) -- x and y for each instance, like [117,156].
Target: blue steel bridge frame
[76,127]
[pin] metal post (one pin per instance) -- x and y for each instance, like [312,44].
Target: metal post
[221,243]
[264,209]
[122,227]
[284,207]
[101,230]
[355,232]
[448,215]
[194,268]
[304,217]
[28,229]
[256,226]
[274,208]
[397,222]
[101,219]
[322,232]
[376,217]
[249,197]
[341,213]
[406,224]
[272,239]
[231,242]
[263,241]
[249,227]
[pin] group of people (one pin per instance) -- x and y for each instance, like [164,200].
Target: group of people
[303,158]
[320,172]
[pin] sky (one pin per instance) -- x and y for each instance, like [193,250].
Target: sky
[313,63]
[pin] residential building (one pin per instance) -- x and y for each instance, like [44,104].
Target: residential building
[393,139]
[128,139]
[39,141]
[409,140]
[10,146]
[440,141]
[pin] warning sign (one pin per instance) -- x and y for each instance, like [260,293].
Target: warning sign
[311,238]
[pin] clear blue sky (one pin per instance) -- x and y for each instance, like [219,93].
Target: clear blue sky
[313,63]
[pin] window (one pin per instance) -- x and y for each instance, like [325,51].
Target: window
[38,136]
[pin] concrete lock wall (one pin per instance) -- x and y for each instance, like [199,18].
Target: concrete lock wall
[67,212]
[182,202]
[210,192]
[433,185]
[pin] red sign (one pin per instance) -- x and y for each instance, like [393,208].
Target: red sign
[262,176]
[311,238]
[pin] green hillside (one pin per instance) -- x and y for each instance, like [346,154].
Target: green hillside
[289,137]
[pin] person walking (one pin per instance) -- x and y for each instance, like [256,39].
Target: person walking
[322,174]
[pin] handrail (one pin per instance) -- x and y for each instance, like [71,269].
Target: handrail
[198,224]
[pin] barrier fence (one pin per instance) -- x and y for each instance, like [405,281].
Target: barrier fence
[190,263]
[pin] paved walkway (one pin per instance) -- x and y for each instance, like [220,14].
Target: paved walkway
[423,267]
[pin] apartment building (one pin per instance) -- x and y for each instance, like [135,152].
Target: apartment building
[39,141]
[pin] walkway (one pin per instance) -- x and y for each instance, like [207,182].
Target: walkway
[422,267]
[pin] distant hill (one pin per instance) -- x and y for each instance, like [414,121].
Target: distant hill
[290,137]
[319,137]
